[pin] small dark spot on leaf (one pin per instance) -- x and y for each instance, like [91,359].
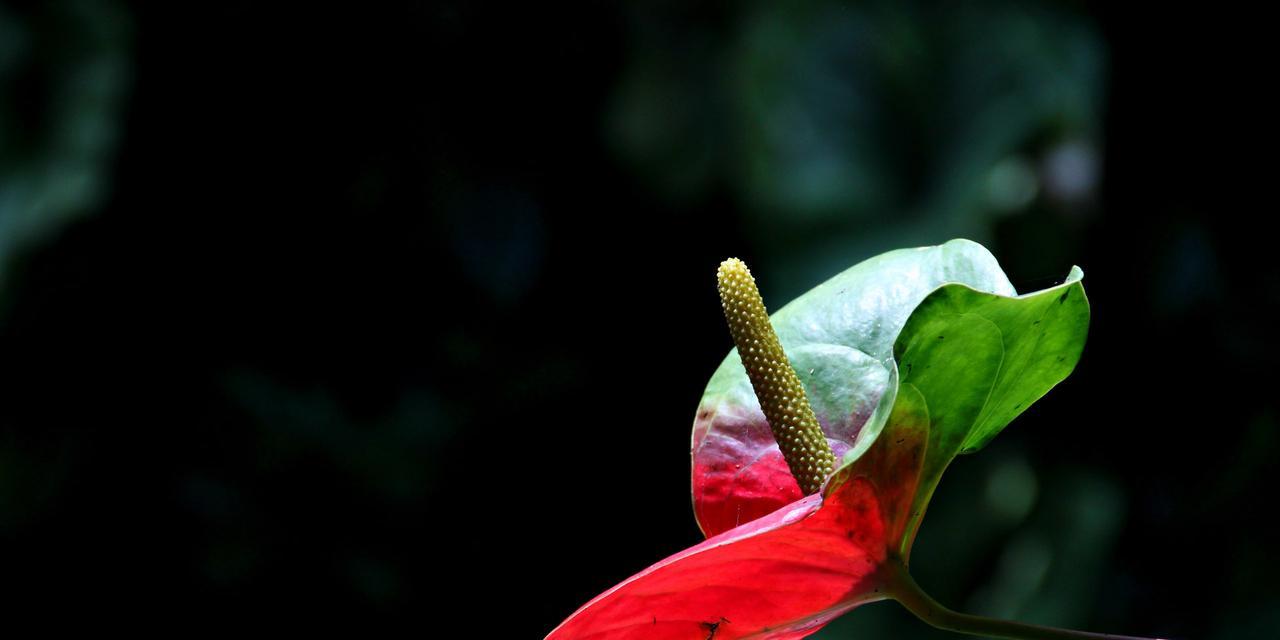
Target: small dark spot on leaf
[1063,297]
[941,337]
[1036,322]
[713,627]
[1017,406]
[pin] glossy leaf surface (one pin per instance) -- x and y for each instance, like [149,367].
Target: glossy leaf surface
[977,360]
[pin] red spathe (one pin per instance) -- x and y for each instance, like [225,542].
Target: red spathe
[782,576]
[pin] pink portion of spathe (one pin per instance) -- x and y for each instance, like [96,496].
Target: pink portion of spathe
[739,473]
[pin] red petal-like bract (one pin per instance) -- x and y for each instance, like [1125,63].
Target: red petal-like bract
[781,576]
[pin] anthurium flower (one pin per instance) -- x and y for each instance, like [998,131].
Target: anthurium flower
[891,369]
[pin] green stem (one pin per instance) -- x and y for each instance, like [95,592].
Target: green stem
[900,586]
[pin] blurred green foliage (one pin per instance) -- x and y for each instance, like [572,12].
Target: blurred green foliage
[64,73]
[848,129]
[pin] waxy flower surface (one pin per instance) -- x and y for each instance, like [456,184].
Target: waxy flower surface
[907,359]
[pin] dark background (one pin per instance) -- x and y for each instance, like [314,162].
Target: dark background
[401,313]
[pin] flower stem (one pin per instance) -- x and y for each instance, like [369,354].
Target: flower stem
[900,586]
